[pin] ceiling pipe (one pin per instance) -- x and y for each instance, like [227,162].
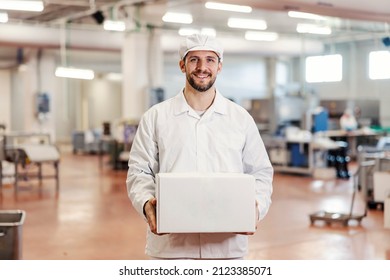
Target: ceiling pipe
[93,8]
[369,12]
[49,37]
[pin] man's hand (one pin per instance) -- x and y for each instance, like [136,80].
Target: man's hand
[150,213]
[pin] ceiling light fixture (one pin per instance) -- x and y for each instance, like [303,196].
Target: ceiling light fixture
[114,25]
[257,24]
[303,15]
[261,36]
[177,17]
[75,73]
[115,77]
[313,29]
[64,71]
[190,31]
[31,6]
[3,17]
[228,7]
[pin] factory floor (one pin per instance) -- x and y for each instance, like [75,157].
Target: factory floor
[92,218]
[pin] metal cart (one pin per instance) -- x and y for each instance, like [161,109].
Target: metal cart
[26,149]
[11,229]
[344,218]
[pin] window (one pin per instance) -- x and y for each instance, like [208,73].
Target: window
[379,65]
[326,68]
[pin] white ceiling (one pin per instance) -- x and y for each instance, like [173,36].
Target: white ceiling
[349,19]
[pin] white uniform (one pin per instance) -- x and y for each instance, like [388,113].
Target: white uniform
[172,137]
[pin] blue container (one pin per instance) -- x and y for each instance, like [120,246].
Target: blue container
[298,155]
[320,121]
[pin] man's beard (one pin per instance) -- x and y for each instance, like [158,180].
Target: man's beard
[199,87]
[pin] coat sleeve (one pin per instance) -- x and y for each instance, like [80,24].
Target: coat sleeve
[256,162]
[143,165]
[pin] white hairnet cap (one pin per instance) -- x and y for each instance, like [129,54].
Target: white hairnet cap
[199,42]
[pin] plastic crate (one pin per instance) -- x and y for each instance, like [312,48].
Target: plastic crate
[11,227]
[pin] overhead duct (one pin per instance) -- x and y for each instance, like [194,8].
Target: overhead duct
[49,37]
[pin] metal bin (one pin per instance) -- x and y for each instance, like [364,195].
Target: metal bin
[11,226]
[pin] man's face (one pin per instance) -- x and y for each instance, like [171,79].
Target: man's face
[201,68]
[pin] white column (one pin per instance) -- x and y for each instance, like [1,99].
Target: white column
[142,65]
[5,98]
[353,73]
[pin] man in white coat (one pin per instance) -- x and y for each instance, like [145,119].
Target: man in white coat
[198,130]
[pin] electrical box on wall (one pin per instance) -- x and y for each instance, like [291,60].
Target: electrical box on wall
[156,95]
[42,103]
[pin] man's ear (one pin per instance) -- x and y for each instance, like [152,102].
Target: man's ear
[219,67]
[182,66]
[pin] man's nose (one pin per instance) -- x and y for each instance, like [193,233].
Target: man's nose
[201,64]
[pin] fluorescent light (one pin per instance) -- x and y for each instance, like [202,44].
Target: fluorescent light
[188,31]
[247,23]
[74,73]
[228,7]
[313,29]
[112,25]
[205,31]
[3,17]
[177,18]
[303,15]
[114,77]
[31,6]
[261,36]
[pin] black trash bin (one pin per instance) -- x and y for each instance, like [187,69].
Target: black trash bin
[11,227]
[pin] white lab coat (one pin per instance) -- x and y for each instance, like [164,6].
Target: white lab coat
[172,137]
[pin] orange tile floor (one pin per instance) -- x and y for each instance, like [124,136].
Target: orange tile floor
[92,218]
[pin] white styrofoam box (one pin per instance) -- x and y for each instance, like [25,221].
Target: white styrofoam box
[387,213]
[205,202]
[381,186]
[40,153]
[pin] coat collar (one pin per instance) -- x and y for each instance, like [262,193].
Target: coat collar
[181,106]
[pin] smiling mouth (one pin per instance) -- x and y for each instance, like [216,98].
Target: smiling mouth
[202,76]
